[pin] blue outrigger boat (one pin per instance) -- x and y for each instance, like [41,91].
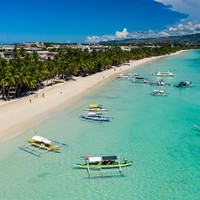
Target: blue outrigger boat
[184,84]
[92,116]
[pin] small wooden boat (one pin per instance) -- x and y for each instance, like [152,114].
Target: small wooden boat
[96,107]
[128,76]
[122,76]
[43,143]
[139,79]
[159,83]
[39,145]
[184,84]
[159,93]
[103,162]
[93,116]
[164,74]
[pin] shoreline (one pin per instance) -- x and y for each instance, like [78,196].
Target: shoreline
[20,114]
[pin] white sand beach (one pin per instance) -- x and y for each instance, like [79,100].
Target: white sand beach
[17,115]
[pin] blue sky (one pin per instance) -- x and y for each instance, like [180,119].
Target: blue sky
[75,20]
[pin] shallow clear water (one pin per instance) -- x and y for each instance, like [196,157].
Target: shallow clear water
[157,133]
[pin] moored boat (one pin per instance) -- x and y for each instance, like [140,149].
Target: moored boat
[159,83]
[163,74]
[184,84]
[43,143]
[96,107]
[104,162]
[133,75]
[128,76]
[122,76]
[39,145]
[93,116]
[159,93]
[139,79]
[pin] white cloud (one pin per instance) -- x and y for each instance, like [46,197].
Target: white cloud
[122,34]
[190,7]
[180,29]
[118,35]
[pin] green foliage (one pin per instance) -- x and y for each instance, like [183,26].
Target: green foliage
[25,72]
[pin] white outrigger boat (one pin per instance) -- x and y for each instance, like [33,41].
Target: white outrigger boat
[159,93]
[96,107]
[139,79]
[164,74]
[159,83]
[122,76]
[93,116]
[39,145]
[128,76]
[100,163]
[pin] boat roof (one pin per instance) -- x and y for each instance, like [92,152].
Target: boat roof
[95,159]
[101,158]
[96,105]
[41,139]
[92,113]
[165,72]
[111,158]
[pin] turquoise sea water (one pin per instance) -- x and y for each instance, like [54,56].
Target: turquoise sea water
[157,133]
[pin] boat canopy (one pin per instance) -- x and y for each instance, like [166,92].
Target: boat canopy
[96,106]
[100,105]
[92,113]
[94,159]
[101,158]
[109,158]
[41,139]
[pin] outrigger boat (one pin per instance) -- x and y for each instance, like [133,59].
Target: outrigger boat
[39,145]
[104,162]
[163,74]
[122,76]
[159,83]
[93,116]
[139,79]
[159,93]
[128,76]
[96,107]
[184,84]
[97,166]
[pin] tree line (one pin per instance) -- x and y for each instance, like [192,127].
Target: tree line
[25,72]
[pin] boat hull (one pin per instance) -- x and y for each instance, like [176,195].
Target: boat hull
[41,146]
[100,119]
[93,166]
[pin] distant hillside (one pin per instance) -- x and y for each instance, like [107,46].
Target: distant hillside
[182,40]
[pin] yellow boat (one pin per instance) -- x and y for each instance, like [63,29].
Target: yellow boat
[43,143]
[39,145]
[96,107]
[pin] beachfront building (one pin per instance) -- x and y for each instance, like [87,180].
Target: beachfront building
[4,48]
[1,55]
[8,55]
[99,48]
[128,48]
[44,55]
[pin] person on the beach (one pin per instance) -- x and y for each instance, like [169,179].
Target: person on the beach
[30,100]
